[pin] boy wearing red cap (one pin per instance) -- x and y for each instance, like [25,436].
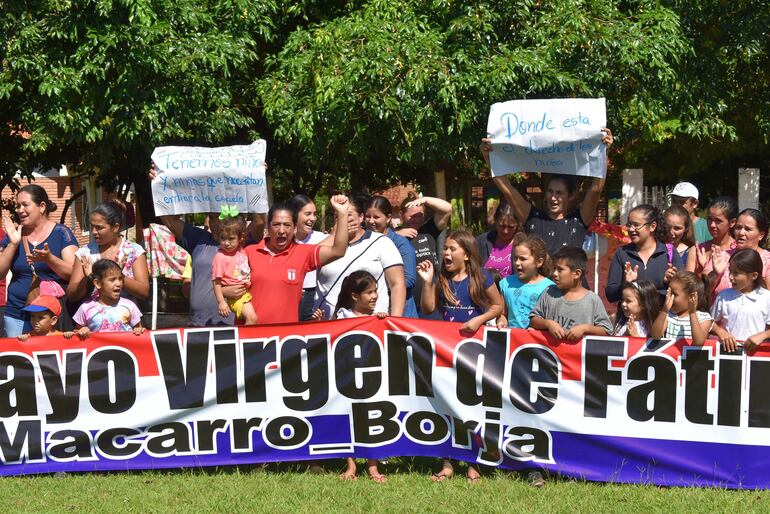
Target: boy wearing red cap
[43,314]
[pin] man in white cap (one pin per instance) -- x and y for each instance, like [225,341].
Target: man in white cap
[686,195]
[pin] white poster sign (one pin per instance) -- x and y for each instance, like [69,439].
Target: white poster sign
[548,136]
[199,179]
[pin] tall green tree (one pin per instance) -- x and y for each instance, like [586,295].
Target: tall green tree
[723,81]
[396,88]
[98,84]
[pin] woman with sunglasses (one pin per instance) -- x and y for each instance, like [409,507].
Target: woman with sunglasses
[645,257]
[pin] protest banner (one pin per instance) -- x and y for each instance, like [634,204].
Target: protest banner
[602,409]
[548,136]
[198,179]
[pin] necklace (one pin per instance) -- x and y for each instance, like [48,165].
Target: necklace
[454,287]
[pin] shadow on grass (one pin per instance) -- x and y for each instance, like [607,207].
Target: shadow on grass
[393,466]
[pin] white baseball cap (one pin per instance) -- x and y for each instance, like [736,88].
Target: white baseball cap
[685,190]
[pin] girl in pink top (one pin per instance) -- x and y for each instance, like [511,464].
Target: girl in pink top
[723,214]
[230,267]
[109,312]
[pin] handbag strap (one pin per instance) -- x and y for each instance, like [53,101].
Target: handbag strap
[27,252]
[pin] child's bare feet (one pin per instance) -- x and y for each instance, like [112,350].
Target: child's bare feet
[374,473]
[447,472]
[350,472]
[473,474]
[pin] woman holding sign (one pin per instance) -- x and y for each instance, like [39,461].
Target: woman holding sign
[40,252]
[560,223]
[202,246]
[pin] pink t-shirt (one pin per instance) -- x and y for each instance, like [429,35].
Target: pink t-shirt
[232,269]
[108,318]
[500,259]
[724,280]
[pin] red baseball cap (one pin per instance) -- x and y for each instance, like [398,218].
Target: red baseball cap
[44,303]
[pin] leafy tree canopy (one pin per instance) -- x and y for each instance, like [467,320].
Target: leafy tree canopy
[364,93]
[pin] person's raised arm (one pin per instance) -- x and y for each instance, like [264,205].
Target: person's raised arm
[442,210]
[428,295]
[520,205]
[660,324]
[591,201]
[77,285]
[692,259]
[340,245]
[9,252]
[594,193]
[699,329]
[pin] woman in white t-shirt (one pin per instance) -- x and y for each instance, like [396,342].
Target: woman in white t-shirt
[108,219]
[369,251]
[306,220]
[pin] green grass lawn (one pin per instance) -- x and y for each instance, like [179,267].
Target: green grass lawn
[289,489]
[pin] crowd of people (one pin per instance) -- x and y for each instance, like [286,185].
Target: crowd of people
[681,276]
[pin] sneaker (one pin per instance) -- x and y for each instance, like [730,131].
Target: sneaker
[535,479]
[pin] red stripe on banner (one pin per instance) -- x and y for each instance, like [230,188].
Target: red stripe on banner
[445,335]
[140,346]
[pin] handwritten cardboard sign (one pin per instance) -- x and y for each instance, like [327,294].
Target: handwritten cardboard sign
[548,136]
[199,179]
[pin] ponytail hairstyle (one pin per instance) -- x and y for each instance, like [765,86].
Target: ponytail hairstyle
[727,205]
[647,295]
[502,210]
[693,283]
[38,196]
[380,203]
[355,283]
[113,211]
[538,249]
[652,215]
[298,201]
[688,237]
[478,294]
[747,260]
[102,266]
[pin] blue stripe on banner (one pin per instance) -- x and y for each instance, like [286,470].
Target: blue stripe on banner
[580,456]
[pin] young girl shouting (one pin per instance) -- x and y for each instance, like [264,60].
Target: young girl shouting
[109,312]
[742,313]
[465,293]
[685,313]
[521,289]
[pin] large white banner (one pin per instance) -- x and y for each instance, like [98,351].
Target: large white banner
[199,179]
[548,136]
[613,409]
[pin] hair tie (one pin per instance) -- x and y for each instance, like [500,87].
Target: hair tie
[228,211]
